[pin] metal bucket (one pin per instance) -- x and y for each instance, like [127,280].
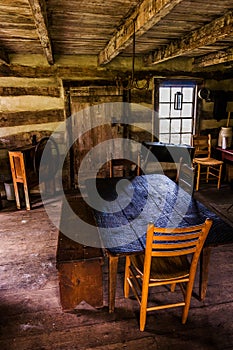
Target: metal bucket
[9,189]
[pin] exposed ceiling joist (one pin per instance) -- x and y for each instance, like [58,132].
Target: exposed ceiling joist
[38,10]
[214,58]
[145,17]
[3,56]
[208,34]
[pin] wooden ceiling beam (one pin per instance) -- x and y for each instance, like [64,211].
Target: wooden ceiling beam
[145,16]
[214,58]
[38,8]
[206,35]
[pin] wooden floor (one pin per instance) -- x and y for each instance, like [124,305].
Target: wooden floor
[31,316]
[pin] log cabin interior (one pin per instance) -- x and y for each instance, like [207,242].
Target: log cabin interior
[149,72]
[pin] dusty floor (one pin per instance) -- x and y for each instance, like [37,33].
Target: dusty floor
[31,315]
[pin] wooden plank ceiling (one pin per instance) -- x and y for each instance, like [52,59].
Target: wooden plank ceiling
[164,29]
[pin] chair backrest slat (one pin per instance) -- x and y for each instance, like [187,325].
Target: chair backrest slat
[178,237]
[174,253]
[202,144]
[176,241]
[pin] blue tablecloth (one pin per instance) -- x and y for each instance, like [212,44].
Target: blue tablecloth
[123,212]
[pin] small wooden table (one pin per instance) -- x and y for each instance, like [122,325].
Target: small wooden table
[226,157]
[168,152]
[226,154]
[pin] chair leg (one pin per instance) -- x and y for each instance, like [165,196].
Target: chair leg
[173,286]
[127,275]
[26,193]
[219,176]
[207,174]
[143,306]
[143,313]
[198,176]
[16,190]
[188,296]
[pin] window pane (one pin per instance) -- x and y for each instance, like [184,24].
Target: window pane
[187,125]
[164,138]
[164,126]
[187,110]
[175,125]
[173,91]
[187,94]
[175,112]
[164,110]
[175,138]
[164,94]
[186,138]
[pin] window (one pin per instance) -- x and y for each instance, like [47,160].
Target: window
[176,126]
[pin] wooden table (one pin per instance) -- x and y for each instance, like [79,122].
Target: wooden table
[154,198]
[226,154]
[167,152]
[227,157]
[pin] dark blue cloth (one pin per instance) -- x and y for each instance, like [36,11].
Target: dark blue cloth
[157,199]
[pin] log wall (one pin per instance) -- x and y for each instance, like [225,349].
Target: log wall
[28,106]
[35,105]
[209,121]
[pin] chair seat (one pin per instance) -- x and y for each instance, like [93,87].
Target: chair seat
[208,161]
[166,268]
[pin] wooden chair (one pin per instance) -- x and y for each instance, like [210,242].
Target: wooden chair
[206,165]
[126,166]
[25,165]
[171,257]
[20,176]
[185,176]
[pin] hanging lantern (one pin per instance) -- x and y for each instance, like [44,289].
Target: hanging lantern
[178,100]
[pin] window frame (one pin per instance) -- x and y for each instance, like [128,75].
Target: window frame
[178,84]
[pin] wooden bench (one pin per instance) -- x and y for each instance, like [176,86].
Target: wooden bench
[79,266]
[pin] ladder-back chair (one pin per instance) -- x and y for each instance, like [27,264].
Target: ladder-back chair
[126,166]
[206,165]
[20,176]
[171,257]
[26,168]
[185,176]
